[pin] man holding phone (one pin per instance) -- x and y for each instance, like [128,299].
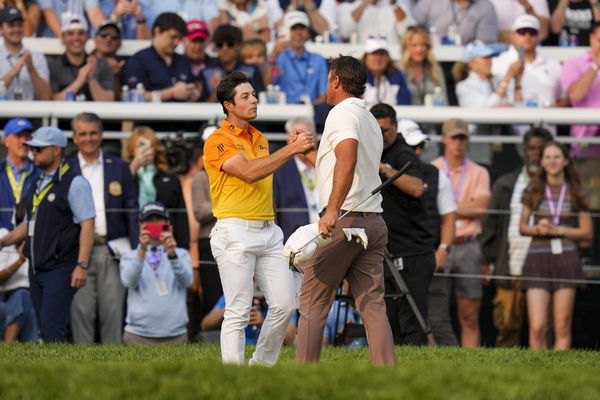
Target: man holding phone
[539,76]
[157,275]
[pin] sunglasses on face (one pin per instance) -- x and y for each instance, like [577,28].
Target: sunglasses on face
[527,31]
[111,35]
[38,149]
[220,45]
[198,40]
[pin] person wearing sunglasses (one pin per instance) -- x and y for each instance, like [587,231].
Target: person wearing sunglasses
[108,42]
[541,75]
[58,231]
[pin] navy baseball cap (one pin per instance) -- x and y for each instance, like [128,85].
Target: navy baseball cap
[16,126]
[10,14]
[47,136]
[153,208]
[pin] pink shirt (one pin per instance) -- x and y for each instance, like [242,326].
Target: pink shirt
[572,71]
[476,183]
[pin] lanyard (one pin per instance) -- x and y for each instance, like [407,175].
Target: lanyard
[17,188]
[38,197]
[153,259]
[311,184]
[555,210]
[461,179]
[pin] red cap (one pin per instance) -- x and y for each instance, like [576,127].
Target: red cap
[197,29]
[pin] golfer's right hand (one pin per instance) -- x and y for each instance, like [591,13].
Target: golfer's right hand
[327,222]
[303,142]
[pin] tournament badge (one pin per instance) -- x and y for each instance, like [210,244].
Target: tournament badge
[115,189]
[51,197]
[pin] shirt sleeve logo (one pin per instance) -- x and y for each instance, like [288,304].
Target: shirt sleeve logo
[220,149]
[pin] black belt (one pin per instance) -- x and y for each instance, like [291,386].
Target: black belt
[464,239]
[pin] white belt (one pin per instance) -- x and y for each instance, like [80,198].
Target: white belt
[249,223]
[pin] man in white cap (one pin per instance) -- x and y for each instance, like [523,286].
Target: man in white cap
[301,75]
[75,73]
[58,233]
[441,216]
[541,76]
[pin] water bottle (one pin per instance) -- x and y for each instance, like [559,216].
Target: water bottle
[531,99]
[125,94]
[270,94]
[451,35]
[563,39]
[438,100]
[573,40]
[140,92]
[3,96]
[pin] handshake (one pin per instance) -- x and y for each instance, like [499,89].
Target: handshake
[302,141]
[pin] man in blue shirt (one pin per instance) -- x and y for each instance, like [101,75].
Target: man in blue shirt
[58,233]
[159,68]
[17,172]
[300,74]
[157,275]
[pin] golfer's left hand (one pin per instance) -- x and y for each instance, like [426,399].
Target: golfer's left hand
[327,222]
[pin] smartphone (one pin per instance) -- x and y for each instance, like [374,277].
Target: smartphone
[143,143]
[155,229]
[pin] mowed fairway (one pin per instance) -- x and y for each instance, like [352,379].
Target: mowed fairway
[195,372]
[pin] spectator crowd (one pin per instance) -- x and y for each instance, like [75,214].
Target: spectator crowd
[114,279]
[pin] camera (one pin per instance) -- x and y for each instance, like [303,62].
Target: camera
[180,152]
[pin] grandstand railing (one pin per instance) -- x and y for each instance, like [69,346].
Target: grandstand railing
[52,46]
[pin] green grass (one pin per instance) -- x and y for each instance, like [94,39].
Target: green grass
[195,372]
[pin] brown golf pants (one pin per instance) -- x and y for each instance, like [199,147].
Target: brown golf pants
[363,268]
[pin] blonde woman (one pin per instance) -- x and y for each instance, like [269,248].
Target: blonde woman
[423,73]
[148,165]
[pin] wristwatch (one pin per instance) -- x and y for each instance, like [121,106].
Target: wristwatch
[83,264]
[444,246]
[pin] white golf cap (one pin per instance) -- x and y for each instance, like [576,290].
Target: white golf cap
[411,132]
[526,21]
[293,18]
[373,44]
[73,22]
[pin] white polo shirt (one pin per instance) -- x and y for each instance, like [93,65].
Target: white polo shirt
[542,77]
[94,173]
[350,119]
